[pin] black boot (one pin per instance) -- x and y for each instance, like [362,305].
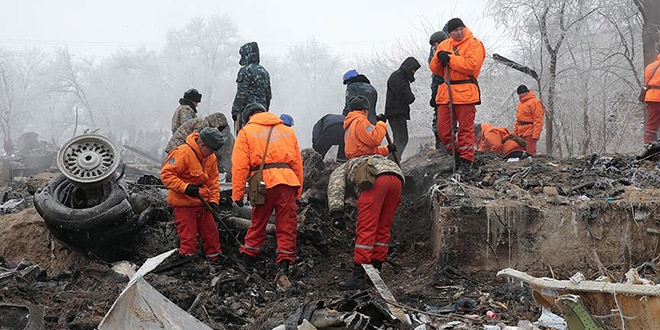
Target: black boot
[464,166]
[248,261]
[284,267]
[356,281]
[377,264]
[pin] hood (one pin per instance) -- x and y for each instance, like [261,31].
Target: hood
[485,127]
[353,115]
[249,53]
[216,120]
[408,65]
[191,140]
[265,118]
[358,78]
[530,95]
[189,103]
[468,35]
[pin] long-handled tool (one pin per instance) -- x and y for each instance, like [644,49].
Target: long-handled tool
[409,187]
[451,116]
[394,155]
[217,219]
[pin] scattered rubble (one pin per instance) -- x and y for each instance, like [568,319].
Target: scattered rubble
[79,289]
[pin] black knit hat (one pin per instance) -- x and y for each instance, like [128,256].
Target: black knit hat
[437,36]
[192,95]
[250,110]
[454,24]
[522,89]
[358,102]
[212,138]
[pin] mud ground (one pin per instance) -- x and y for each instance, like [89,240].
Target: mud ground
[79,289]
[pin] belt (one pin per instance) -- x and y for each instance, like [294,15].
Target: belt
[653,87]
[271,165]
[523,123]
[458,82]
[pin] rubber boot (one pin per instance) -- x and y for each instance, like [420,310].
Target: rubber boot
[356,281]
[284,267]
[377,264]
[464,166]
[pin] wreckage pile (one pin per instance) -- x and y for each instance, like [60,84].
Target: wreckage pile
[77,288]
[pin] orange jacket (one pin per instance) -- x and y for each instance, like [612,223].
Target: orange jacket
[466,58]
[493,138]
[249,149]
[363,138]
[653,93]
[529,117]
[185,165]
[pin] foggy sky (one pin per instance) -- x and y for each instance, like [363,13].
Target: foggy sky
[347,27]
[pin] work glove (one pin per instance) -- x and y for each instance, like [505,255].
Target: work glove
[391,148]
[239,203]
[192,190]
[443,56]
[214,207]
[382,118]
[338,219]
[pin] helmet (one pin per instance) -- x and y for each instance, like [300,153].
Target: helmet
[349,74]
[288,120]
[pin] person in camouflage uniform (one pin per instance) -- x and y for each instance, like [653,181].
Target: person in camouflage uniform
[253,83]
[187,108]
[214,120]
[376,207]
[358,84]
[435,39]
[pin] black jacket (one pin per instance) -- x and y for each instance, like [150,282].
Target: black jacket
[323,124]
[399,96]
[360,85]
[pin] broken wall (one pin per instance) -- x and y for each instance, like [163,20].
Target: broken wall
[499,233]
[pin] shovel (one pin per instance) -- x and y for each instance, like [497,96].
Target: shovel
[409,187]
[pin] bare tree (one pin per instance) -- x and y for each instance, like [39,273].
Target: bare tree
[19,84]
[650,11]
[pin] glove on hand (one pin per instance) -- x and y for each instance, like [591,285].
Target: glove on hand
[192,190]
[239,203]
[391,148]
[214,207]
[443,56]
[382,118]
[338,219]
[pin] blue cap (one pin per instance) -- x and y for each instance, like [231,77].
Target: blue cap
[349,74]
[288,120]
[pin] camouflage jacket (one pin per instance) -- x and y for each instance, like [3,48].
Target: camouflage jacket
[194,125]
[342,177]
[253,81]
[182,114]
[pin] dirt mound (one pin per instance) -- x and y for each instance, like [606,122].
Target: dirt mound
[24,236]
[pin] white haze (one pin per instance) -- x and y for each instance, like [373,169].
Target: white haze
[122,65]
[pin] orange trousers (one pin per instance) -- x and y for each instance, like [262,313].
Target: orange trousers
[282,198]
[376,208]
[191,221]
[464,115]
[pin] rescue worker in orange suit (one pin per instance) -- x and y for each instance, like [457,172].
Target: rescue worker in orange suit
[652,100]
[529,118]
[496,139]
[282,174]
[375,210]
[190,172]
[458,58]
[361,137]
